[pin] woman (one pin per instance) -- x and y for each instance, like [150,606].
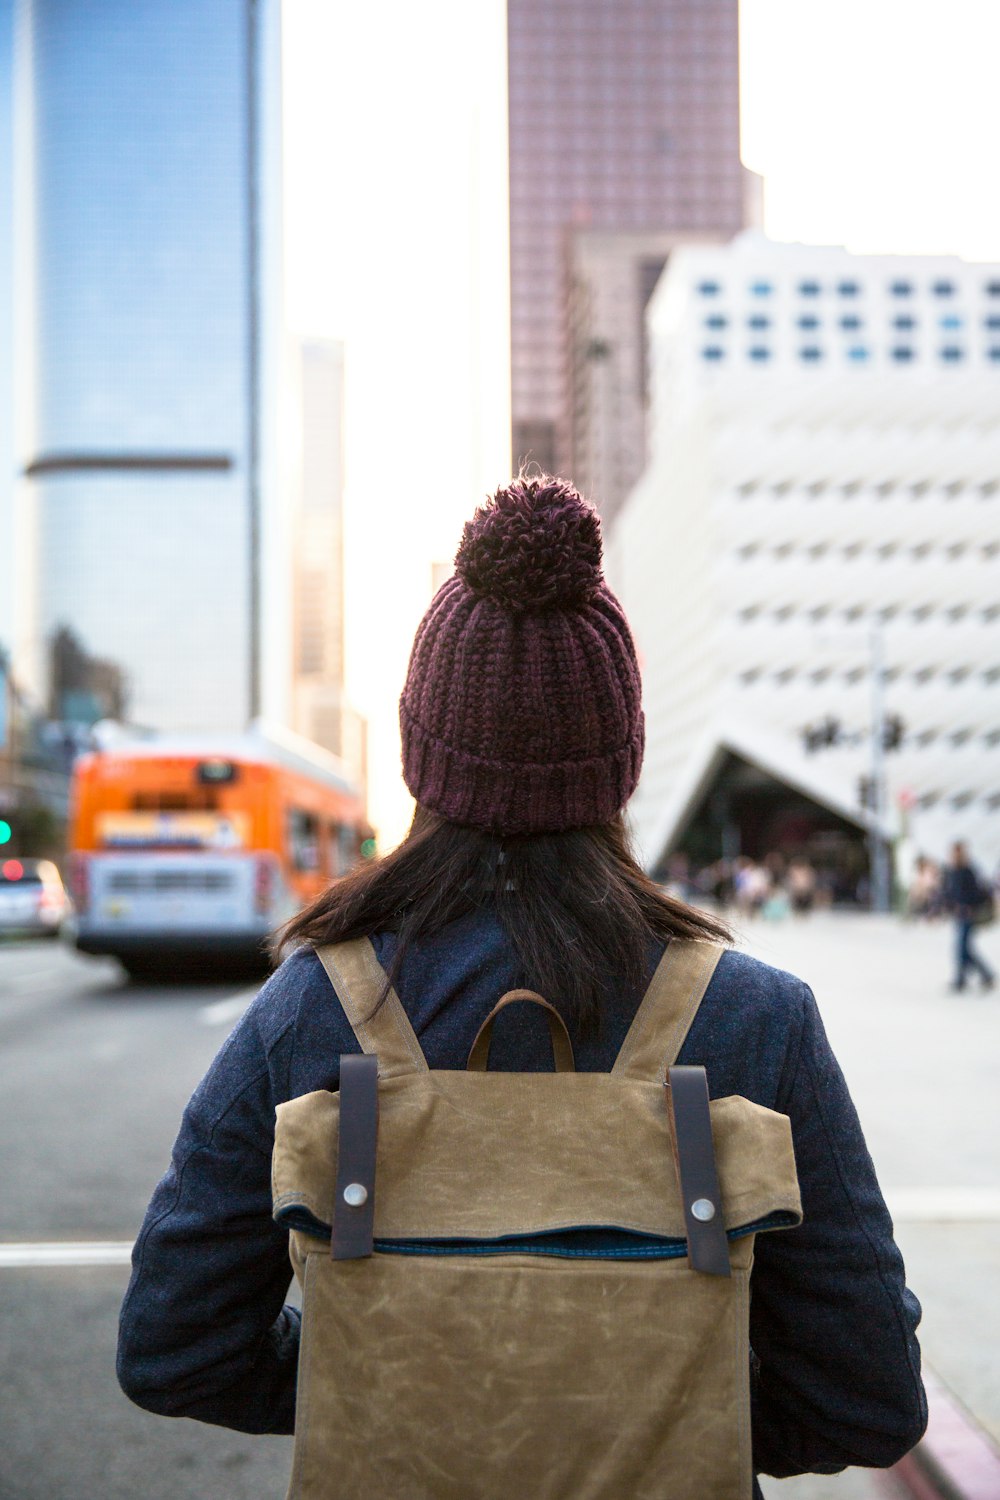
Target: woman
[522,734]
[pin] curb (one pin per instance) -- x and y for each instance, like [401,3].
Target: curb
[955,1459]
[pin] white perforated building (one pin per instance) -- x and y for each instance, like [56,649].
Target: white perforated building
[824,474]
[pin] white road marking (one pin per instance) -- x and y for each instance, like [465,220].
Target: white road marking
[63,1253]
[222,1011]
[946,1205]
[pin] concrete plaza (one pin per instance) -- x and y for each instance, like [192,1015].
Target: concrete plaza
[921,1063]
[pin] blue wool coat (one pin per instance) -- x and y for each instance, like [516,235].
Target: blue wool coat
[204,1329]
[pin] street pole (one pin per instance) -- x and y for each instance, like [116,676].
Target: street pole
[881,883]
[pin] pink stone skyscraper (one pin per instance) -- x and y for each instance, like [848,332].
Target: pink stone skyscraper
[624,141]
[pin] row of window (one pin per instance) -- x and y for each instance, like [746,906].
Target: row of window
[949,354]
[940,288]
[882,550]
[904,322]
[854,613]
[818,675]
[959,800]
[986,489]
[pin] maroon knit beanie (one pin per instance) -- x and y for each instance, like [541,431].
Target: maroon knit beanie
[521,710]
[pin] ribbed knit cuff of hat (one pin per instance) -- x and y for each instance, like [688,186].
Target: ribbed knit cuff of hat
[517,797]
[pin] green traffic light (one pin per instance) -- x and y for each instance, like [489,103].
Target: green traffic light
[6,832]
[367,848]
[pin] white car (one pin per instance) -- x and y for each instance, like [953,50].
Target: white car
[33,899]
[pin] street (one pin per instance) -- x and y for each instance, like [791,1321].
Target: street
[96,1072]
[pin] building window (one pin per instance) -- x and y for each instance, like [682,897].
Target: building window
[810,353]
[901,289]
[760,321]
[943,288]
[809,322]
[857,353]
[848,288]
[993,321]
[709,288]
[951,353]
[809,288]
[716,321]
[994,352]
[761,289]
[303,840]
[760,352]
[951,321]
[992,289]
[713,352]
[851,322]
[905,321]
[902,353]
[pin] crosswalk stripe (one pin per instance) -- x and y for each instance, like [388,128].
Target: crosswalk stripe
[65,1253]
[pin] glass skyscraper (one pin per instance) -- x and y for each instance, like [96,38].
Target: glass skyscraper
[144,143]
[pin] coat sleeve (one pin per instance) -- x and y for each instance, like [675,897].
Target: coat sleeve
[204,1331]
[836,1373]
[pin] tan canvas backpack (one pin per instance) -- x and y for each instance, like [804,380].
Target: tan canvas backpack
[526,1286]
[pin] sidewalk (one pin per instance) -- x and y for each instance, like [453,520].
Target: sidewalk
[922,1066]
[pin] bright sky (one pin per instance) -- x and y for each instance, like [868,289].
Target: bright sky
[872,122]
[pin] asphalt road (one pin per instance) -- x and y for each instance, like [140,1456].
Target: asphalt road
[95,1071]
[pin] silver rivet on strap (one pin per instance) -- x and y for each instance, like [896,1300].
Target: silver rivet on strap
[701,1208]
[356,1195]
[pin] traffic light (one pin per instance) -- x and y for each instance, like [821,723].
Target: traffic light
[821,736]
[6,832]
[893,731]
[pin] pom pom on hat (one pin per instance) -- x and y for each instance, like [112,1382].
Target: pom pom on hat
[535,546]
[521,712]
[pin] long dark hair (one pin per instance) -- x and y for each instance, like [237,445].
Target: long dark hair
[579,911]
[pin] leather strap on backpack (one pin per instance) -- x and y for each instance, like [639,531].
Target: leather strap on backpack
[708,1248]
[562,1047]
[354,1196]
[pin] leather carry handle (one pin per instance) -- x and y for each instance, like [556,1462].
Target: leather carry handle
[562,1047]
[708,1248]
[354,1195]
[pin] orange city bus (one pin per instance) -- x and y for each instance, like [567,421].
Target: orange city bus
[186,847]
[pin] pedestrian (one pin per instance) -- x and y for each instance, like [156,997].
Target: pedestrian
[923,898]
[970,901]
[522,741]
[801,886]
[753,887]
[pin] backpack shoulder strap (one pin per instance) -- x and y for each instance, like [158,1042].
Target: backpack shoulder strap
[668,1007]
[359,979]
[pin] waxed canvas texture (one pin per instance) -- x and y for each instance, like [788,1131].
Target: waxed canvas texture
[531,1131]
[522,1378]
[491,1376]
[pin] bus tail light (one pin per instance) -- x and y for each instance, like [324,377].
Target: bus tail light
[79,882]
[265,883]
